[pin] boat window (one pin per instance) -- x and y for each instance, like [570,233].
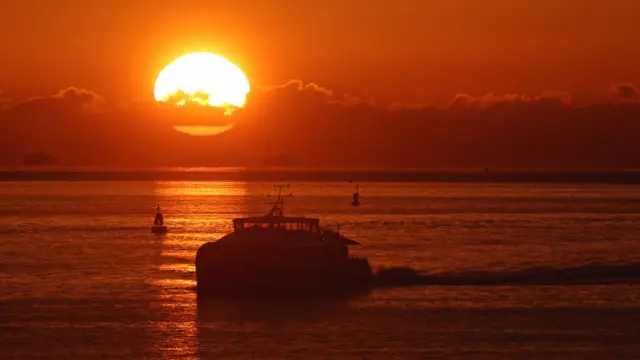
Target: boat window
[306,226]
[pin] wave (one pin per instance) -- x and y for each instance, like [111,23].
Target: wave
[35,229]
[594,273]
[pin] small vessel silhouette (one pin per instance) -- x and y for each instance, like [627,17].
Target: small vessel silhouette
[277,255]
[158,226]
[356,197]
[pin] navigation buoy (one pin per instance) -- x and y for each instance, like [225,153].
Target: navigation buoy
[356,197]
[158,223]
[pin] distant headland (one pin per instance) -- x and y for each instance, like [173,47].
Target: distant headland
[319,174]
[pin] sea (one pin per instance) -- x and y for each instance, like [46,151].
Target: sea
[468,270]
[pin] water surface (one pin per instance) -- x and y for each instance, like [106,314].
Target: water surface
[81,276]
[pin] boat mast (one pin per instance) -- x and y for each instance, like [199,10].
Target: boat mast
[278,205]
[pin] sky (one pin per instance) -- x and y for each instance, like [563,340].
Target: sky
[394,51]
[430,83]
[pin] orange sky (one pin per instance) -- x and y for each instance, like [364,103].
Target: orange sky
[400,50]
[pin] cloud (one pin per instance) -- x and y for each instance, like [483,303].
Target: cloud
[625,92]
[181,98]
[294,91]
[81,96]
[318,126]
[308,94]
[561,97]
[298,86]
[70,100]
[4,100]
[489,100]
[74,98]
[399,106]
[495,130]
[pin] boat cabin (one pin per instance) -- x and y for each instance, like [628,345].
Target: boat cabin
[278,222]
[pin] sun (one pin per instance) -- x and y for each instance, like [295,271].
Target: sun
[204,78]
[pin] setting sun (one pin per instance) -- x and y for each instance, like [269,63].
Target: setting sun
[203,78]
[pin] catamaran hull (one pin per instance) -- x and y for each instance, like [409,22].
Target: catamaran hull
[222,276]
[261,283]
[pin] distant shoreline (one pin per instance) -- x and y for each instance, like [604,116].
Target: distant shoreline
[323,175]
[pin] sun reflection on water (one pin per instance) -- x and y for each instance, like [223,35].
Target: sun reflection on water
[195,213]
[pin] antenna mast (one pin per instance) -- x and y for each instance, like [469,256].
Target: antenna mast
[278,205]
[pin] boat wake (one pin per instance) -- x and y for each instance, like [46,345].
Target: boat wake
[594,273]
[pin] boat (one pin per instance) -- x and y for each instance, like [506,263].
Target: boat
[356,197]
[158,226]
[280,255]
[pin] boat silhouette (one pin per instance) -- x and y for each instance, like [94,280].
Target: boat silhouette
[158,226]
[277,254]
[356,197]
